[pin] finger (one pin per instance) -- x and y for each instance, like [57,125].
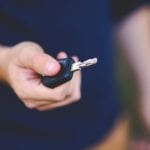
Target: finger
[75,58]
[77,86]
[61,55]
[76,79]
[55,105]
[38,61]
[73,82]
[68,100]
[44,64]
[39,92]
[73,96]
[32,104]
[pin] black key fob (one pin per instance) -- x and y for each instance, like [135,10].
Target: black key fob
[63,76]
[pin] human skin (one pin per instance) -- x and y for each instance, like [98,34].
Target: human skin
[134,34]
[20,68]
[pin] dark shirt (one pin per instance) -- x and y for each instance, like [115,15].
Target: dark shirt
[80,27]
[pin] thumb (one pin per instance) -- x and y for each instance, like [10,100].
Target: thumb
[45,64]
[41,63]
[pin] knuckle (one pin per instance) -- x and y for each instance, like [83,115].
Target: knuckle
[77,97]
[28,45]
[20,93]
[30,105]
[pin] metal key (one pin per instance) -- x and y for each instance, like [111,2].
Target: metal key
[79,65]
[68,66]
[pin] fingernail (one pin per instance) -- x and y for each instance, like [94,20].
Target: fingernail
[49,67]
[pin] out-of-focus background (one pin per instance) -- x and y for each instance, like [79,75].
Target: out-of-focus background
[127,84]
[129,95]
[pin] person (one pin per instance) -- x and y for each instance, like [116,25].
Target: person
[134,34]
[34,116]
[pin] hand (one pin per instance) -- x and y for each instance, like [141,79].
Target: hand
[20,68]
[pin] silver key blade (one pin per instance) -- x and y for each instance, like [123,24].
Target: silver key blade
[79,65]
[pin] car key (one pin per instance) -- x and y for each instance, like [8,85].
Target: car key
[68,66]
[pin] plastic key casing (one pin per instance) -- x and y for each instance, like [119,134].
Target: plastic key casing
[63,76]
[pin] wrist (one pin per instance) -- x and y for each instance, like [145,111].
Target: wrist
[4,61]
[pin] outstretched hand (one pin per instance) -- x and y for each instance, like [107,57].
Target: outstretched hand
[21,66]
